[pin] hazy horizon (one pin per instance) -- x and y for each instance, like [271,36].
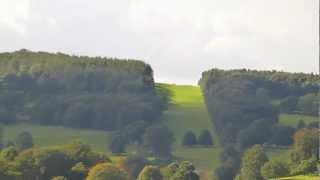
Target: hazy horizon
[179,39]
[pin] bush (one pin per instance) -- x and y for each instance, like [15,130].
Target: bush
[304,167]
[159,139]
[133,165]
[205,138]
[189,139]
[282,135]
[8,153]
[301,124]
[224,172]
[150,172]
[24,141]
[252,161]
[105,171]
[118,144]
[59,178]
[274,169]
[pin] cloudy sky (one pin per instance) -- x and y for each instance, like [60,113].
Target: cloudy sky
[179,38]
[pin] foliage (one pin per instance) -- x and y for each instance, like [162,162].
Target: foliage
[304,167]
[158,139]
[301,124]
[24,141]
[134,164]
[118,144]
[59,178]
[252,161]
[257,132]
[189,139]
[274,169]
[76,91]
[224,172]
[205,138]
[78,171]
[181,171]
[306,143]
[70,161]
[105,171]
[235,98]
[282,135]
[308,104]
[289,104]
[9,153]
[150,172]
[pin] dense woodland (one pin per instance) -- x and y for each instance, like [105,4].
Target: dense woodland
[245,105]
[76,91]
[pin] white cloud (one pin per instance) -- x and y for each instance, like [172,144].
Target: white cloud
[179,38]
[14,14]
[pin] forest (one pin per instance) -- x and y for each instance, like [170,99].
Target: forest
[75,91]
[244,106]
[230,127]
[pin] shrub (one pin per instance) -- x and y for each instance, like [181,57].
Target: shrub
[189,139]
[205,138]
[24,141]
[105,171]
[150,172]
[274,169]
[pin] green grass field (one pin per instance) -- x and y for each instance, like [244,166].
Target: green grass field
[293,119]
[187,111]
[315,177]
[52,135]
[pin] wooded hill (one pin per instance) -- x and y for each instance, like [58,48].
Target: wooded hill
[237,98]
[76,91]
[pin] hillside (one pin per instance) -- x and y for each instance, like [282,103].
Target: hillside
[187,111]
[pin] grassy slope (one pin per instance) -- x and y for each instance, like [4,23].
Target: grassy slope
[187,111]
[50,135]
[301,178]
[293,119]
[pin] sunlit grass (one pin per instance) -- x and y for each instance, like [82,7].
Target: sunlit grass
[187,111]
[293,119]
[55,135]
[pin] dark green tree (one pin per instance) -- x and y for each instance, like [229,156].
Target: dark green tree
[118,144]
[205,138]
[274,169]
[159,139]
[24,141]
[224,172]
[301,124]
[252,161]
[189,139]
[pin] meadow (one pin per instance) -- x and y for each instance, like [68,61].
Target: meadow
[186,111]
[55,135]
[293,119]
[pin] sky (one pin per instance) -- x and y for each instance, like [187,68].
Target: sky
[178,38]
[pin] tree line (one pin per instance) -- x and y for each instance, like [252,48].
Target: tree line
[77,91]
[19,160]
[241,106]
